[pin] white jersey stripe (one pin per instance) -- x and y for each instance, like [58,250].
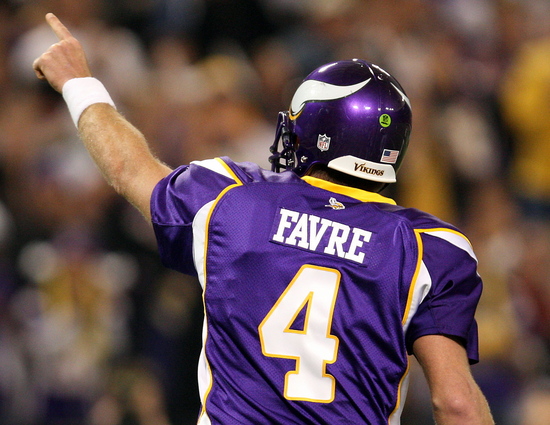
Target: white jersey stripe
[421,285]
[199,243]
[199,240]
[455,238]
[395,418]
[421,288]
[215,165]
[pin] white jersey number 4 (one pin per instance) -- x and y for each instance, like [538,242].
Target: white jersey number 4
[311,296]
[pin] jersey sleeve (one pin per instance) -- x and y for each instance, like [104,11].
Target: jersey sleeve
[175,202]
[449,305]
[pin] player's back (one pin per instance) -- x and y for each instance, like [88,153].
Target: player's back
[306,294]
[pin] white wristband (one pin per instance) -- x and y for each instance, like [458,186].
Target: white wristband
[79,93]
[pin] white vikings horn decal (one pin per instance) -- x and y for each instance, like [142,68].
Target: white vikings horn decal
[313,90]
[405,98]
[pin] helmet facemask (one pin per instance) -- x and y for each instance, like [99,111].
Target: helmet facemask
[286,158]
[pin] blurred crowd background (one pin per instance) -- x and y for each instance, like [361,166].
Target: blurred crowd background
[94,331]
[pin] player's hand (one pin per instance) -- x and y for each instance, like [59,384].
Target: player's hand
[64,60]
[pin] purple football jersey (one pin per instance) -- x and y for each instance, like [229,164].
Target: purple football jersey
[314,292]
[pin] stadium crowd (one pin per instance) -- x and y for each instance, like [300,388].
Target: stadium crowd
[94,330]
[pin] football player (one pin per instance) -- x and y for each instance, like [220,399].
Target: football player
[317,289]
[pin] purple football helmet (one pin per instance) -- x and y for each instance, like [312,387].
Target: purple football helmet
[350,115]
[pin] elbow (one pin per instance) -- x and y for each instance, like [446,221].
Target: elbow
[455,407]
[461,410]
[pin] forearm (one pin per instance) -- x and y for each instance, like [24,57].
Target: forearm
[118,148]
[122,154]
[456,397]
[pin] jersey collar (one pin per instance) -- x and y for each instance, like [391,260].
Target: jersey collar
[361,195]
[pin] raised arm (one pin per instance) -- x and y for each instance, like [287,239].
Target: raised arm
[456,397]
[117,147]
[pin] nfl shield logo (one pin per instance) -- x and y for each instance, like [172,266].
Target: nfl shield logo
[323,142]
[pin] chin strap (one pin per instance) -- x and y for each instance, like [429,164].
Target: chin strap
[286,159]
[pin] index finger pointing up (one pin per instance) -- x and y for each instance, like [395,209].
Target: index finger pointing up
[58,28]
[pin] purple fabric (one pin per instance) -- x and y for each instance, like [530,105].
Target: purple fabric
[248,268]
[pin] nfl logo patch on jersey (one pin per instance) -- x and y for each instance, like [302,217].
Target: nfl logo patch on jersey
[323,142]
